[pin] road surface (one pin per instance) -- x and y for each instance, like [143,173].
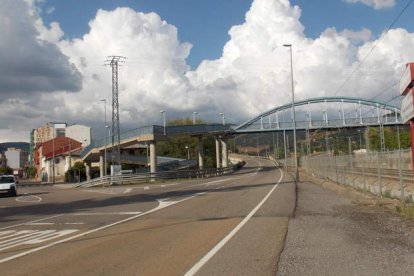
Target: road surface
[234,224]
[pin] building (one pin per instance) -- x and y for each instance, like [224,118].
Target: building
[58,156]
[56,147]
[17,159]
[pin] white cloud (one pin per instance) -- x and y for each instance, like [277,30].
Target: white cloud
[252,75]
[376,4]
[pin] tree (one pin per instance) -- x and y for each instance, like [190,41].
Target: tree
[6,170]
[176,146]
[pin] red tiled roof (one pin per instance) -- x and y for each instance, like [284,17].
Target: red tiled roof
[60,146]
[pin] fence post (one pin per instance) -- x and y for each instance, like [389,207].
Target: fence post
[352,168]
[364,159]
[400,176]
[379,174]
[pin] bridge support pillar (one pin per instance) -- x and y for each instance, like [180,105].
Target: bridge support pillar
[200,152]
[88,171]
[101,165]
[225,156]
[153,157]
[218,153]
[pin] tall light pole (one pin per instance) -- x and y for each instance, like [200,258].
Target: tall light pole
[293,111]
[223,118]
[163,116]
[194,114]
[106,137]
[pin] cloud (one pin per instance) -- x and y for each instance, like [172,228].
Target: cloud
[376,4]
[30,62]
[252,75]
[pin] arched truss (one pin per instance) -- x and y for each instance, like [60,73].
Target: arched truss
[385,114]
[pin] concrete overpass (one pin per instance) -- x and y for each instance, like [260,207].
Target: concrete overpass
[150,135]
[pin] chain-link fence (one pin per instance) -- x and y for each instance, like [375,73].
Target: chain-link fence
[387,174]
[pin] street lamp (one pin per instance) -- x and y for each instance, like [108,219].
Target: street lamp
[223,118]
[194,113]
[188,152]
[163,116]
[106,137]
[293,110]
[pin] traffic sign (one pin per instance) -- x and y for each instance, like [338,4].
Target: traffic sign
[407,79]
[407,107]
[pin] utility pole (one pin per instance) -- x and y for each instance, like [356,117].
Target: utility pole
[113,61]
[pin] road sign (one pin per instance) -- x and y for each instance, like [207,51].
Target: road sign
[407,107]
[407,79]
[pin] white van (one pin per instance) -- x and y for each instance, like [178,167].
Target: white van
[8,184]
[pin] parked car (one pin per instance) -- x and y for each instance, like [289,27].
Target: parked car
[8,184]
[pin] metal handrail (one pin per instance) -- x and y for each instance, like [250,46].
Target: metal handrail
[158,176]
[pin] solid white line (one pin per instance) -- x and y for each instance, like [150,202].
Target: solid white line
[105,214]
[213,251]
[40,223]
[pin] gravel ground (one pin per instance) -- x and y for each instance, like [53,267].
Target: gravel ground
[339,231]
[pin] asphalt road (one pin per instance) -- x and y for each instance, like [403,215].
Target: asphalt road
[234,224]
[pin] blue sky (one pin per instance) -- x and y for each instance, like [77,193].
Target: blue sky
[49,77]
[205,24]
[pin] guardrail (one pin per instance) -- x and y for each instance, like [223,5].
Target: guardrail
[159,176]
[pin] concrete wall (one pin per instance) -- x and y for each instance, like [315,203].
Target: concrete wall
[13,158]
[79,133]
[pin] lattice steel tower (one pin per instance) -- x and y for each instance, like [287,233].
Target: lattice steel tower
[114,61]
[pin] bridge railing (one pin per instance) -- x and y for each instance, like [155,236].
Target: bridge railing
[315,124]
[139,178]
[383,173]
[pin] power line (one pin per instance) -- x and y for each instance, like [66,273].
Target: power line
[373,47]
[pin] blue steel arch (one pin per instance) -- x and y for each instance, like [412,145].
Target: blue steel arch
[353,100]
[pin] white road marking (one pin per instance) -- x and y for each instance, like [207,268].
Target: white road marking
[74,223]
[105,213]
[223,242]
[127,190]
[42,219]
[40,223]
[146,188]
[161,206]
[9,239]
[88,232]
[29,198]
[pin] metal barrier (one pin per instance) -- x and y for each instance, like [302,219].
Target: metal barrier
[383,173]
[159,176]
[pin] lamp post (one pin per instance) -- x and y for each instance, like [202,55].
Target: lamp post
[188,152]
[223,118]
[106,137]
[163,116]
[194,114]
[293,111]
